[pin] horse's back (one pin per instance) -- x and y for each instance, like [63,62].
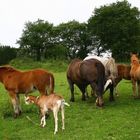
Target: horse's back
[124,71]
[92,70]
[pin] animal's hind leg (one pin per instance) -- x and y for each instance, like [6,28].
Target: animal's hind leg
[63,117]
[71,89]
[83,90]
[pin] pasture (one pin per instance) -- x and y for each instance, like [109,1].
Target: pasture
[117,120]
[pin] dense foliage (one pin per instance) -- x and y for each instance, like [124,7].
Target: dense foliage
[114,27]
[118,28]
[7,54]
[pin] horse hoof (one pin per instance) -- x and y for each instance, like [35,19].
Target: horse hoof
[15,116]
[111,99]
[99,106]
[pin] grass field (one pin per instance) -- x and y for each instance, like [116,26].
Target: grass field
[119,120]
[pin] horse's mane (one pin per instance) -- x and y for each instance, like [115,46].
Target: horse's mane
[8,68]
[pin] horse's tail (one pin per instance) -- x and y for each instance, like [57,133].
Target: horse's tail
[101,78]
[51,83]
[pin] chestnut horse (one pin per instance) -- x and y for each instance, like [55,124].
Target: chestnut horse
[123,73]
[16,82]
[135,74]
[83,73]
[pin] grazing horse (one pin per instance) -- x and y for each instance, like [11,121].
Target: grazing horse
[16,82]
[82,73]
[123,73]
[135,74]
[110,72]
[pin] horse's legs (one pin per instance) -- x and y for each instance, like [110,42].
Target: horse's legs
[134,87]
[116,91]
[86,92]
[111,98]
[83,90]
[71,85]
[16,103]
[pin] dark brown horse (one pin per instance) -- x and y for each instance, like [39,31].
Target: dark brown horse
[110,73]
[123,73]
[17,82]
[88,72]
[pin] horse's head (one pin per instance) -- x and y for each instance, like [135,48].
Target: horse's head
[134,59]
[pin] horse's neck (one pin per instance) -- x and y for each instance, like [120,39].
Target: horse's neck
[134,66]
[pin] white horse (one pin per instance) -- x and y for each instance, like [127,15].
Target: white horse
[111,71]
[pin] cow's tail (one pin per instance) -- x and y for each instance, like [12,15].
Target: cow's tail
[51,83]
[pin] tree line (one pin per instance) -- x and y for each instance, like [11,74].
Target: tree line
[114,27]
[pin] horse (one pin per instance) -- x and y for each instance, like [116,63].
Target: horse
[135,74]
[23,82]
[83,73]
[123,73]
[110,72]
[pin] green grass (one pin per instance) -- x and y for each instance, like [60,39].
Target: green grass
[119,120]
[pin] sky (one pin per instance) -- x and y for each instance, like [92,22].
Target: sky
[15,13]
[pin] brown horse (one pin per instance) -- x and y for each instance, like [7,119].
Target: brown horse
[83,73]
[16,82]
[123,73]
[110,72]
[135,74]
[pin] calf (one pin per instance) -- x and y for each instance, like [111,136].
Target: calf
[51,102]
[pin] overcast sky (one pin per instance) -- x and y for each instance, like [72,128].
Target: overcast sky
[15,13]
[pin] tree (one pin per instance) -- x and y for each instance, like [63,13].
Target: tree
[36,38]
[74,36]
[7,54]
[117,26]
